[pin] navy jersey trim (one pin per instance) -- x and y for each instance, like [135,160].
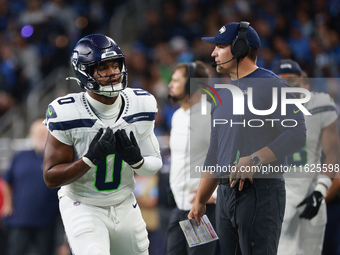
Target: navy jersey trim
[141,116]
[327,108]
[70,124]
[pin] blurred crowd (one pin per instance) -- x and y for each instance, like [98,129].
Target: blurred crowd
[37,37]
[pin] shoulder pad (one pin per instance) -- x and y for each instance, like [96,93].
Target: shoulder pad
[139,100]
[68,112]
[60,107]
[321,98]
[321,102]
[140,105]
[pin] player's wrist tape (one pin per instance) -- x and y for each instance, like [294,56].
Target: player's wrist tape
[325,180]
[138,164]
[322,189]
[88,162]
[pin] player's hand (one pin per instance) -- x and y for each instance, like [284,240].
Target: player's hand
[313,202]
[196,212]
[127,147]
[101,146]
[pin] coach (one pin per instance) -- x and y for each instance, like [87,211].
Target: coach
[250,204]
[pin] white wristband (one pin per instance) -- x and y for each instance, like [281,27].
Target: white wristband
[325,180]
[88,162]
[138,164]
[322,189]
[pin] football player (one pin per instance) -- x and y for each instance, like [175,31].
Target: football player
[97,140]
[305,215]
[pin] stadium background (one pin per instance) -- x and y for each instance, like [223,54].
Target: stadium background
[37,37]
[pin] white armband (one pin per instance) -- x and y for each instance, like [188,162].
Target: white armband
[323,184]
[135,166]
[88,162]
[325,180]
[150,166]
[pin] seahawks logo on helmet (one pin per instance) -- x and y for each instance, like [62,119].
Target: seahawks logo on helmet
[89,53]
[74,60]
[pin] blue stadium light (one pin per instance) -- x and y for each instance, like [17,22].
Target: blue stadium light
[27,31]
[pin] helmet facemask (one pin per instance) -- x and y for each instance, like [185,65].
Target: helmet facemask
[107,85]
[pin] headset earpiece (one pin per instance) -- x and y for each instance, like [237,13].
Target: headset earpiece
[191,73]
[240,45]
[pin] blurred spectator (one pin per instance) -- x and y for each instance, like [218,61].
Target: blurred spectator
[153,34]
[32,211]
[34,15]
[171,20]
[179,46]
[264,31]
[28,60]
[63,15]
[11,86]
[308,32]
[299,45]
[4,200]
[281,48]
[282,25]
[4,15]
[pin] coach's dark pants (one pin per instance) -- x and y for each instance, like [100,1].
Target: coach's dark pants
[249,222]
[176,243]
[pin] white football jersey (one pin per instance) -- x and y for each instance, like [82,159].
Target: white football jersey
[71,120]
[323,113]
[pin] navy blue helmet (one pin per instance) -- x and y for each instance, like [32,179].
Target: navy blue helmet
[89,53]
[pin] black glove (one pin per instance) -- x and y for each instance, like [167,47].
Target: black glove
[313,202]
[101,146]
[127,148]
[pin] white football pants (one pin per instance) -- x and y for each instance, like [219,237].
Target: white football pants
[93,230]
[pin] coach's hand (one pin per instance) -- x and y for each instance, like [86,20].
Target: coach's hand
[313,203]
[100,147]
[243,170]
[128,149]
[196,212]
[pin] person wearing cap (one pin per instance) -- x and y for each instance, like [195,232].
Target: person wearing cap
[305,217]
[250,206]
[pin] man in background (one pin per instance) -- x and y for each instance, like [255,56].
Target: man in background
[31,210]
[305,218]
[189,143]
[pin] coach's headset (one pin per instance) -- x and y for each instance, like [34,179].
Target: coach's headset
[240,45]
[191,73]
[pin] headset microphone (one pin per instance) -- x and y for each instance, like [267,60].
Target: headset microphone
[214,64]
